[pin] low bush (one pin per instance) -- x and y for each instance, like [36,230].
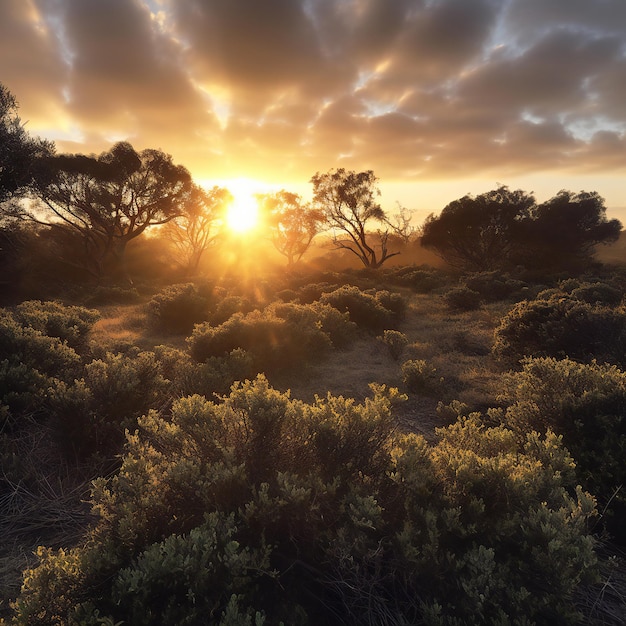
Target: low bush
[113,295]
[71,324]
[562,327]
[279,337]
[494,286]
[598,293]
[213,377]
[93,412]
[261,508]
[396,342]
[177,308]
[366,310]
[586,404]
[419,376]
[462,299]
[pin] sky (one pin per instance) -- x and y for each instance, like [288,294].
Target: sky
[438,97]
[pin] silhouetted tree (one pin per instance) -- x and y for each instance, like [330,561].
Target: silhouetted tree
[565,229]
[111,199]
[292,223]
[19,152]
[347,199]
[197,228]
[479,233]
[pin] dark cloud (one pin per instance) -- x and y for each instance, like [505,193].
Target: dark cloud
[409,88]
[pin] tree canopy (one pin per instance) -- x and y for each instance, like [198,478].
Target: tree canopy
[479,232]
[348,200]
[19,152]
[110,199]
[502,228]
[292,223]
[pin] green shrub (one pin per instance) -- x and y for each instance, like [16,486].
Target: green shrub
[364,309]
[213,377]
[113,295]
[261,507]
[494,286]
[562,327]
[177,308]
[48,355]
[462,299]
[598,293]
[420,376]
[227,306]
[586,404]
[395,341]
[93,412]
[281,336]
[70,324]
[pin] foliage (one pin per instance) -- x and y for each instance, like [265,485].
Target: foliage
[500,229]
[71,324]
[462,299]
[419,376]
[494,286]
[479,233]
[586,403]
[293,224]
[598,293]
[259,507]
[562,327]
[196,229]
[111,199]
[347,199]
[214,376]
[280,336]
[395,341]
[177,308]
[19,152]
[113,295]
[92,412]
[581,223]
[365,309]
[420,280]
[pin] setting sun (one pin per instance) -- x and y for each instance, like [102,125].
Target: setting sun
[243,213]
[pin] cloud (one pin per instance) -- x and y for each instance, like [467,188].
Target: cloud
[410,88]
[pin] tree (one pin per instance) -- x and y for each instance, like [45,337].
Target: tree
[19,152]
[293,224]
[480,233]
[565,229]
[193,231]
[347,199]
[111,199]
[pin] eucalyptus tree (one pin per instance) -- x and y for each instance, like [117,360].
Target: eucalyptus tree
[292,223]
[109,200]
[348,201]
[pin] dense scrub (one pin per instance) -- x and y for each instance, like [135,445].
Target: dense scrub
[260,508]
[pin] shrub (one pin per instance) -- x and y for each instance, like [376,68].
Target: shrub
[364,309]
[70,324]
[462,299]
[27,345]
[494,286]
[259,506]
[562,327]
[93,412]
[598,293]
[420,377]
[281,336]
[213,377]
[177,308]
[113,295]
[586,404]
[227,306]
[395,341]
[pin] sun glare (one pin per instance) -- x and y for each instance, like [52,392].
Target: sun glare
[243,213]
